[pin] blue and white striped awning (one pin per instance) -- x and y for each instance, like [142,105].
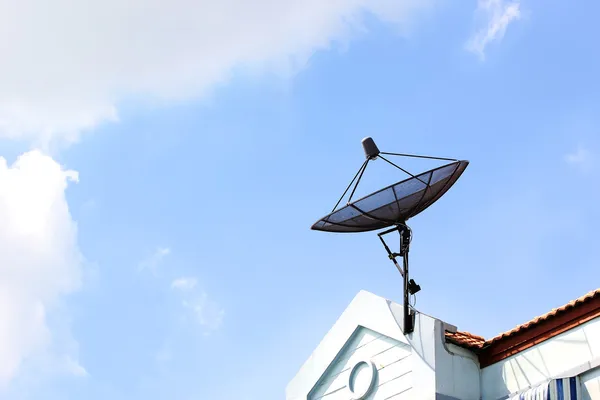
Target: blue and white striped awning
[556,389]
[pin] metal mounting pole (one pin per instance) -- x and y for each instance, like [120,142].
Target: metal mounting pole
[405,238]
[408,322]
[404,247]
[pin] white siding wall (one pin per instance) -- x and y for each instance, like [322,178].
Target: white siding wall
[392,358]
[457,372]
[568,354]
[590,384]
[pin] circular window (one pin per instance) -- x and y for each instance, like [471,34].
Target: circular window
[361,379]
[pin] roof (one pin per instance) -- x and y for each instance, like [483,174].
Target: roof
[555,322]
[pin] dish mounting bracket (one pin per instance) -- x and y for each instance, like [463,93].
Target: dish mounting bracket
[409,285]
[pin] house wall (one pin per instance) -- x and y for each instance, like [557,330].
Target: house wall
[590,384]
[370,329]
[572,353]
[365,311]
[421,365]
[457,372]
[441,371]
[393,360]
[422,342]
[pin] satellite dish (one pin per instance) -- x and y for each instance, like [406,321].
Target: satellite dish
[392,206]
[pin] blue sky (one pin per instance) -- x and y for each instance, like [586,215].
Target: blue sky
[177,261]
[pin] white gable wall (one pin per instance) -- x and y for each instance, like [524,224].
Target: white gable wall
[412,367]
[366,310]
[422,342]
[393,360]
[381,317]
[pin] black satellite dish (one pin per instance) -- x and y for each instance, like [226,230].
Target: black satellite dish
[392,206]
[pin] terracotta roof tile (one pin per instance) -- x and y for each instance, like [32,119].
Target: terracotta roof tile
[553,313]
[465,339]
[474,342]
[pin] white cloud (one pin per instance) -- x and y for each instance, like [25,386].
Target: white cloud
[580,158]
[494,17]
[153,261]
[39,258]
[66,65]
[184,283]
[74,368]
[206,312]
[65,68]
